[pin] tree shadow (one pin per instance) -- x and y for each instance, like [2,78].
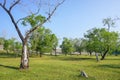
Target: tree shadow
[110,66]
[71,58]
[10,55]
[10,67]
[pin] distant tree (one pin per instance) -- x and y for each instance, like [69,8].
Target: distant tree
[18,46]
[79,44]
[43,41]
[109,22]
[34,20]
[54,41]
[67,46]
[99,41]
[9,45]
[1,40]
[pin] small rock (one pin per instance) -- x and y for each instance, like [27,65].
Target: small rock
[83,74]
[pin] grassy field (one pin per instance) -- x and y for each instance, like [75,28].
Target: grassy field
[61,68]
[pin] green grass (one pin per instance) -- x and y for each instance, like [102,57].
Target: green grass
[61,68]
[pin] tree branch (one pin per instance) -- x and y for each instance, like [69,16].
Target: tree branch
[47,19]
[13,21]
[15,3]
[28,16]
[4,3]
[53,11]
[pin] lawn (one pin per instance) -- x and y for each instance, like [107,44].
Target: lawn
[61,68]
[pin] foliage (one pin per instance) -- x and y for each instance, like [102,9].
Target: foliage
[67,46]
[101,40]
[1,41]
[43,41]
[79,44]
[33,20]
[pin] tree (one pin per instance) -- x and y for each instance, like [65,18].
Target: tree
[79,44]
[33,19]
[43,40]
[67,46]
[54,41]
[99,41]
[9,45]
[109,22]
[1,40]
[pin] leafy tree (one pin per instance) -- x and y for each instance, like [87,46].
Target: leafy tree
[102,41]
[79,44]
[1,41]
[67,46]
[34,20]
[9,45]
[54,41]
[43,41]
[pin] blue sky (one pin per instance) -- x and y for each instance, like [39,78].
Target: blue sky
[72,19]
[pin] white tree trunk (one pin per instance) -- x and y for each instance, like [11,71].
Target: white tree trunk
[24,58]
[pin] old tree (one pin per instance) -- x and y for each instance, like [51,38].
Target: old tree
[34,18]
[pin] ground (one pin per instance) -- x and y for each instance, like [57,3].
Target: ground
[61,68]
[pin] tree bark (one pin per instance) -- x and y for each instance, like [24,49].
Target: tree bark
[55,52]
[97,58]
[40,54]
[80,52]
[90,53]
[25,57]
[103,56]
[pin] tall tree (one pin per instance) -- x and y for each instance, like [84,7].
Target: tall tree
[109,22]
[66,46]
[79,44]
[33,19]
[99,41]
[43,40]
[54,41]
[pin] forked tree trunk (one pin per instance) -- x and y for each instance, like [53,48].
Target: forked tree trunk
[103,56]
[24,58]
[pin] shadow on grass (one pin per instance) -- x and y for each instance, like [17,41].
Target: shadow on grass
[10,67]
[9,55]
[84,78]
[71,58]
[110,66]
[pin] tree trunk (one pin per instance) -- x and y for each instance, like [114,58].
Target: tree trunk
[97,58]
[55,52]
[40,54]
[80,53]
[90,53]
[103,56]
[24,58]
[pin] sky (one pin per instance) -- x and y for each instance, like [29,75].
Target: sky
[72,19]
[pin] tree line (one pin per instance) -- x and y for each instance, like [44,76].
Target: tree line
[96,40]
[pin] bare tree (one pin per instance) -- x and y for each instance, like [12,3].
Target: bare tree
[24,38]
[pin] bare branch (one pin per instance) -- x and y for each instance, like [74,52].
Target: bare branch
[29,15]
[15,3]
[53,11]
[47,19]
[4,3]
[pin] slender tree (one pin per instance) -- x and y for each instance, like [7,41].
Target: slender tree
[109,22]
[24,64]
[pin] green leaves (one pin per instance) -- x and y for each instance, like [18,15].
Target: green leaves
[43,40]
[67,46]
[100,39]
[33,20]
